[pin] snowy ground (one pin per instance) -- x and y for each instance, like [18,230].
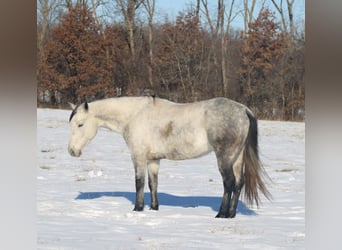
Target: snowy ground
[87,202]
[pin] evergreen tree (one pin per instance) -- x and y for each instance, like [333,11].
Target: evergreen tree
[75,64]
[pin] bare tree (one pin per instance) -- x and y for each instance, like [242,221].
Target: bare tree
[150,7]
[47,11]
[198,7]
[128,8]
[279,8]
[94,6]
[290,11]
[221,29]
[220,22]
[213,33]
[224,44]
[248,13]
[247,19]
[69,3]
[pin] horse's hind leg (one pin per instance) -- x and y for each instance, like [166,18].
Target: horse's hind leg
[226,170]
[231,170]
[153,167]
[239,182]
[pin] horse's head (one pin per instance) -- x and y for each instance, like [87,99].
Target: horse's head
[83,128]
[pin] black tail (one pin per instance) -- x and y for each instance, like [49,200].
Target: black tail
[254,171]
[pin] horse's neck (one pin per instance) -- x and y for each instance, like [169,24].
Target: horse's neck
[115,113]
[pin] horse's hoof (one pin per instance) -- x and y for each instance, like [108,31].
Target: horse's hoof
[231,215]
[154,208]
[220,216]
[138,209]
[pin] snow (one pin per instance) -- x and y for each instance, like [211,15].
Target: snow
[87,202]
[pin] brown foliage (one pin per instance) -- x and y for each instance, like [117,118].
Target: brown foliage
[262,46]
[266,52]
[265,68]
[178,56]
[75,62]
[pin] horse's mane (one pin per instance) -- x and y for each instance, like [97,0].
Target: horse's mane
[73,112]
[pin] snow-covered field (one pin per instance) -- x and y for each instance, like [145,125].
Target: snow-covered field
[87,202]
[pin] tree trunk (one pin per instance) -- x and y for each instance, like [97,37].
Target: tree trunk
[100,27]
[290,10]
[149,6]
[128,10]
[223,50]
[248,14]
[281,13]
[43,28]
[213,48]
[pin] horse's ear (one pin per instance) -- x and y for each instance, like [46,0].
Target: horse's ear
[86,106]
[73,106]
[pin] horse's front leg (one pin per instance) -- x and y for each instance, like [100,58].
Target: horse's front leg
[153,167]
[140,171]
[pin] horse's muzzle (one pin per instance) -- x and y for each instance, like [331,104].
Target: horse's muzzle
[74,153]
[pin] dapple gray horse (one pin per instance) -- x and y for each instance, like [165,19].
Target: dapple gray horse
[156,129]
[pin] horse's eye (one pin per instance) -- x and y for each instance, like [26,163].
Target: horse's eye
[80,125]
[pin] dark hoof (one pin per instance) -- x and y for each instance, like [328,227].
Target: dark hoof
[138,209]
[231,215]
[154,208]
[220,216]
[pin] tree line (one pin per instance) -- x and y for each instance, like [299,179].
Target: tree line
[197,56]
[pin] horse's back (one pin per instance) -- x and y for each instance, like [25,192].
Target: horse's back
[219,116]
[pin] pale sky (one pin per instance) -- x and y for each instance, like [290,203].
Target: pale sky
[172,7]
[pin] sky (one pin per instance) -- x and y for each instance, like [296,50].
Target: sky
[172,8]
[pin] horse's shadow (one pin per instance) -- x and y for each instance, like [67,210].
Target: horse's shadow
[170,200]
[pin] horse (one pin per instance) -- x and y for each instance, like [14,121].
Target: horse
[155,129]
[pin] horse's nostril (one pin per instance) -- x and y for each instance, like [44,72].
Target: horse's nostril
[71,152]
[74,153]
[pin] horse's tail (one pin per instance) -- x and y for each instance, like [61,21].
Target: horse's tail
[254,171]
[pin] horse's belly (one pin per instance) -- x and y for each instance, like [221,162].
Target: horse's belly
[183,151]
[176,155]
[179,138]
